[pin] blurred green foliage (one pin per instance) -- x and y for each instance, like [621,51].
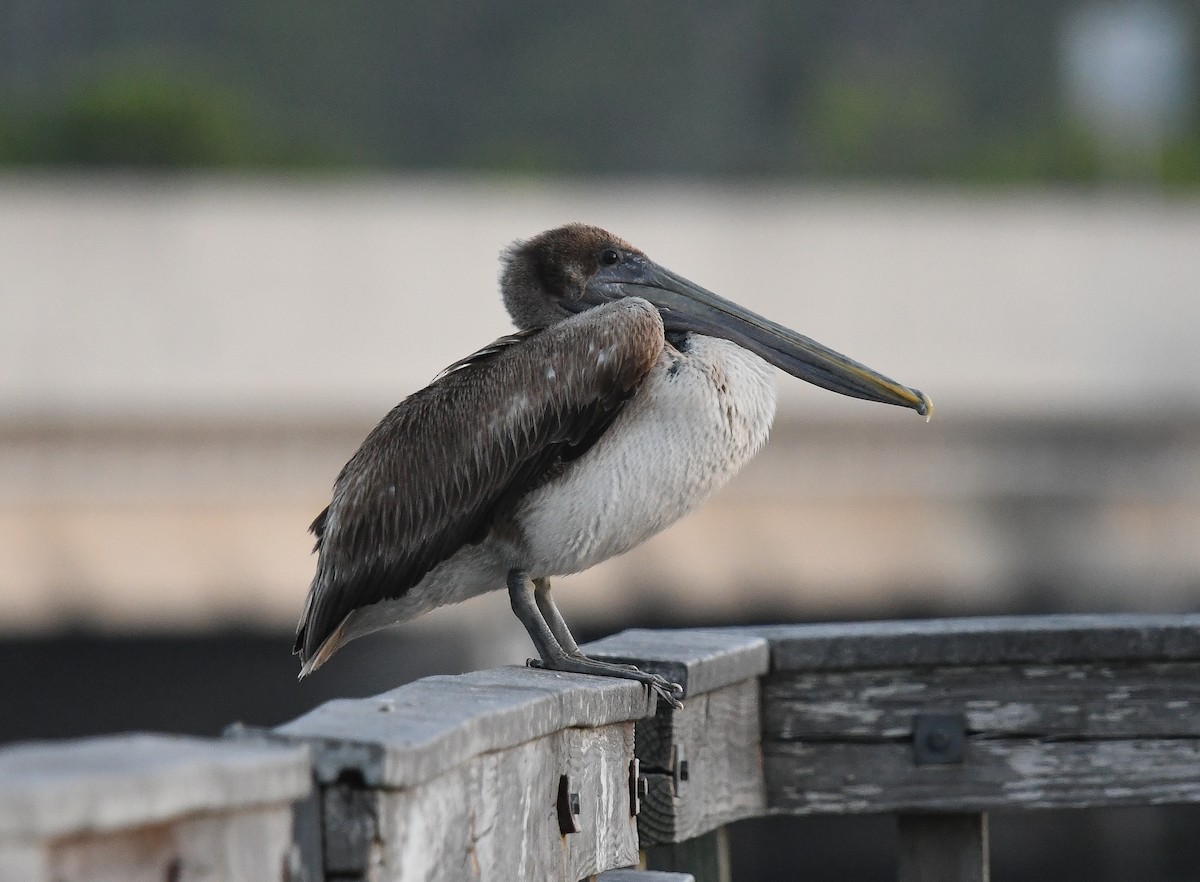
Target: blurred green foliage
[1181,162]
[147,113]
[1054,152]
[895,125]
[918,89]
[148,117]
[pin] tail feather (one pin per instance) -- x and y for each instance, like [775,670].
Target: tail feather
[327,648]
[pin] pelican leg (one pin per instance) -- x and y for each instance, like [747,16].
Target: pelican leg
[523,595]
[558,625]
[549,610]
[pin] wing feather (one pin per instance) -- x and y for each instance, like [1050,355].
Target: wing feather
[451,459]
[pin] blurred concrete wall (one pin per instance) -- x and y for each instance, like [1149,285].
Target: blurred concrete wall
[186,362]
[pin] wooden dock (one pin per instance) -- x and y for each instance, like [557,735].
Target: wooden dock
[522,774]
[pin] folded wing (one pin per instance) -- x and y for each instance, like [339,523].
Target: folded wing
[450,460]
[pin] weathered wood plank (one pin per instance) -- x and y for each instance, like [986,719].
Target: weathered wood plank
[413,734]
[55,789]
[349,816]
[496,818]
[981,641]
[1104,700]
[842,778]
[943,848]
[631,875]
[251,845]
[702,765]
[307,838]
[699,660]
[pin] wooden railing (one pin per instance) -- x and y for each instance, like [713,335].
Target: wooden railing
[521,774]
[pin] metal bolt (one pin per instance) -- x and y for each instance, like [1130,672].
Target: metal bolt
[937,741]
[939,738]
[637,787]
[568,806]
[680,769]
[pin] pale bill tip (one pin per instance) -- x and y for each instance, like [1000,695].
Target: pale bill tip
[926,408]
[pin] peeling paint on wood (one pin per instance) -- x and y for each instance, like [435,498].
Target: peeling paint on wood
[1152,700]
[853,778]
[980,641]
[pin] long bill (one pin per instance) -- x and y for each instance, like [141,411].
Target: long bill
[685,306]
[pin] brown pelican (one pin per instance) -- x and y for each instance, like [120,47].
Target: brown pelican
[627,396]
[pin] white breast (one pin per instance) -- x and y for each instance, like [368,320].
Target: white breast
[697,419]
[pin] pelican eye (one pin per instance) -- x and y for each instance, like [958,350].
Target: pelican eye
[610,257]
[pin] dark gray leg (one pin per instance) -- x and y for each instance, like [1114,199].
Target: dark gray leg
[524,604]
[558,625]
[549,611]
[532,612]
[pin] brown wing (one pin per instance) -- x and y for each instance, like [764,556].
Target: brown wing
[448,460]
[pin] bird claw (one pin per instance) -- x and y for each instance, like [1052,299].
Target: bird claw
[671,693]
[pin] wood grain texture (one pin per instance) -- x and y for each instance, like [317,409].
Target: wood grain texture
[717,735]
[980,641]
[247,846]
[494,818]
[349,816]
[843,778]
[308,837]
[415,733]
[943,848]
[53,789]
[1101,700]
[699,660]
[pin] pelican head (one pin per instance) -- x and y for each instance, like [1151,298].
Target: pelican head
[575,267]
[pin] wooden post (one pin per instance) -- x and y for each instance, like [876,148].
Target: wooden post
[151,807]
[701,763]
[943,847]
[514,773]
[705,857]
